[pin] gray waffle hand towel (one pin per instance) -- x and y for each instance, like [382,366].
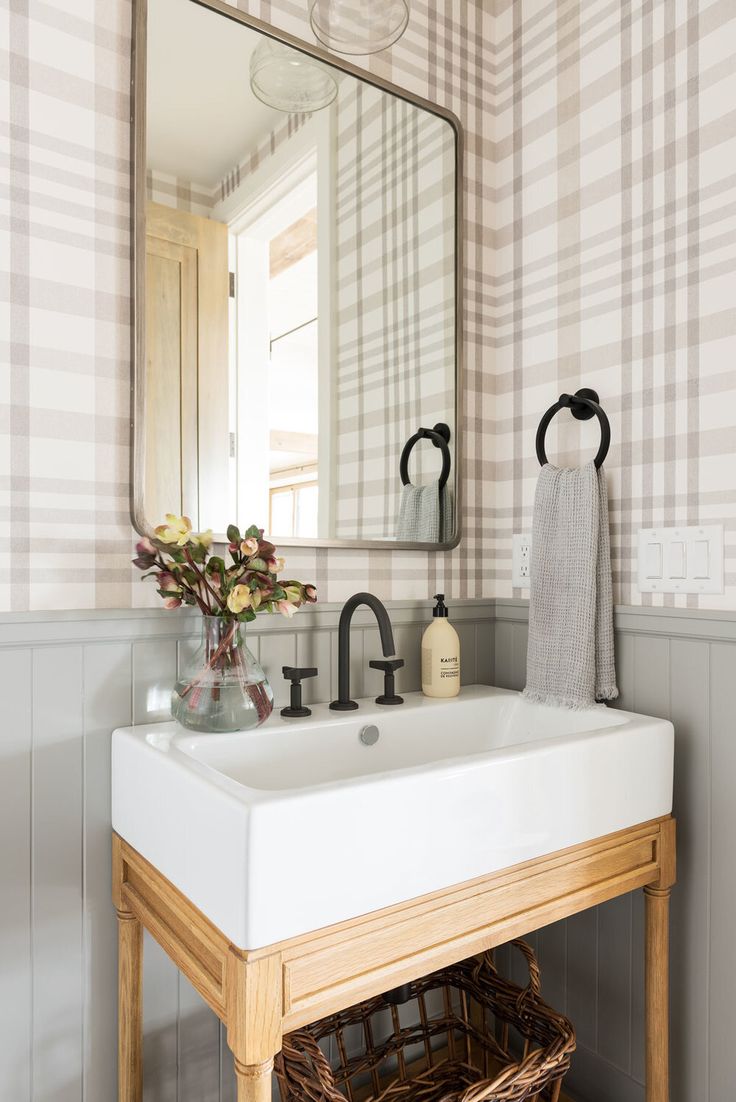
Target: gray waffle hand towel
[426,514]
[570,659]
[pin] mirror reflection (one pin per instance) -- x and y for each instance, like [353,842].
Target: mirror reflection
[299,294]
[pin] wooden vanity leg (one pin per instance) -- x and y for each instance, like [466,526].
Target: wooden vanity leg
[254,1002]
[657,969]
[254,1081]
[130,1008]
[657,984]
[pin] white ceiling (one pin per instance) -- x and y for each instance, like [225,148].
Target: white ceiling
[201,114]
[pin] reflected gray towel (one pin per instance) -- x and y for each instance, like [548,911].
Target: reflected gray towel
[426,514]
[570,660]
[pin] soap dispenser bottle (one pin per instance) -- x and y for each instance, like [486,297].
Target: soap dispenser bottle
[440,654]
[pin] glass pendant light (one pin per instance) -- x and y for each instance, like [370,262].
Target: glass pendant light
[289,80]
[358,26]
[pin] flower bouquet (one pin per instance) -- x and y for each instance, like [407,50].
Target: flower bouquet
[222,687]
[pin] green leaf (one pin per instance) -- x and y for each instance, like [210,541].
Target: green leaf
[216,565]
[247,615]
[278,593]
[197,552]
[253,532]
[258,564]
[233,533]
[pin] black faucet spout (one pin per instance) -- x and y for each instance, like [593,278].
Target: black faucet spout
[343,702]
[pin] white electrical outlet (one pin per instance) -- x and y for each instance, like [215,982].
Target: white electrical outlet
[521,560]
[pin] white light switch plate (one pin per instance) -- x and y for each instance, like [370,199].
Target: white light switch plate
[521,560]
[681,560]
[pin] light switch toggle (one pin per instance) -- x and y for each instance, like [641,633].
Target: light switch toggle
[701,559]
[654,560]
[677,559]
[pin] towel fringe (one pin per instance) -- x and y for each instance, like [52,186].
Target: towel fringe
[559,701]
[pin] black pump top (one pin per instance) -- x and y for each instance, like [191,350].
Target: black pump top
[439,609]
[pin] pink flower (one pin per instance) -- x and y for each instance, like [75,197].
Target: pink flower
[167,581]
[310,592]
[172,602]
[249,546]
[276,565]
[145,547]
[286,608]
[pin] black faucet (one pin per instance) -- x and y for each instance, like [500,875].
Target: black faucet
[343,702]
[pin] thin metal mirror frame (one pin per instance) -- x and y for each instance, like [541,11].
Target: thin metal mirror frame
[138,267]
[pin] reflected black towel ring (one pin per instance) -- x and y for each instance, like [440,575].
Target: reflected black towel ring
[440,437]
[583,405]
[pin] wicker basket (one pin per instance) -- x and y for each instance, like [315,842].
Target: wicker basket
[491,1041]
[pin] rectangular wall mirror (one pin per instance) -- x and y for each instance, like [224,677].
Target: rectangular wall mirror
[296,275]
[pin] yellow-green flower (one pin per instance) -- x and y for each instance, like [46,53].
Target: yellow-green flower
[176,530]
[293,594]
[239,598]
[203,539]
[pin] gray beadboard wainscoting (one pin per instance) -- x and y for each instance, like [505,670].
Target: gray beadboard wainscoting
[68,679]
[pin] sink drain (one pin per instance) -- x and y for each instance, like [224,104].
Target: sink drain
[369,735]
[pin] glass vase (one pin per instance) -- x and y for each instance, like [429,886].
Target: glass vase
[222,687]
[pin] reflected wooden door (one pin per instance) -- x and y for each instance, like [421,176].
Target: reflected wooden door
[187,442]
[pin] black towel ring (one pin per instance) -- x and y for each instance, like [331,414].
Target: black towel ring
[440,437]
[583,405]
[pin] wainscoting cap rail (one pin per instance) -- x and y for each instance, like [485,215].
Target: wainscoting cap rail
[112,625]
[686,623]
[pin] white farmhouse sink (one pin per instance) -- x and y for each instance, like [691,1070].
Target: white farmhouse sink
[298,825]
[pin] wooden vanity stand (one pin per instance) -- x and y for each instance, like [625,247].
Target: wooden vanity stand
[259,995]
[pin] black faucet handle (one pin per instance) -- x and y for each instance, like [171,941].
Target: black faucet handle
[297,674]
[389,667]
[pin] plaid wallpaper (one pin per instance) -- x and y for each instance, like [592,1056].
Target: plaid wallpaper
[614,193]
[394,300]
[178,192]
[600,249]
[256,157]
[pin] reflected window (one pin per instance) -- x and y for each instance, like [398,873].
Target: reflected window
[293,378]
[293,508]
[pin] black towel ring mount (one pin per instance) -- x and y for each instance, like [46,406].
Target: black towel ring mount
[583,405]
[440,437]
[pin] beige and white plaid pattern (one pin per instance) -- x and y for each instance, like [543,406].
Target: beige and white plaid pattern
[395,307]
[614,192]
[256,157]
[600,214]
[175,191]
